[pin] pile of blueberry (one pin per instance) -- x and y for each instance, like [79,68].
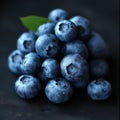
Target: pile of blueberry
[62,56]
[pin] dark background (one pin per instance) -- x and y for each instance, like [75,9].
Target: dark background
[104,18]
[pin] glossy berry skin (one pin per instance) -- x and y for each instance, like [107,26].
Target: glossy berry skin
[27,86]
[31,63]
[49,69]
[45,28]
[47,45]
[66,30]
[14,60]
[57,15]
[83,26]
[58,90]
[74,67]
[26,42]
[99,89]
[76,46]
[97,46]
[99,68]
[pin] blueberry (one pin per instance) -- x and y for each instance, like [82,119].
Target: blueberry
[57,15]
[31,63]
[66,30]
[27,86]
[83,26]
[26,42]
[14,60]
[99,68]
[76,46]
[58,90]
[47,45]
[49,69]
[99,89]
[74,67]
[82,83]
[45,28]
[97,46]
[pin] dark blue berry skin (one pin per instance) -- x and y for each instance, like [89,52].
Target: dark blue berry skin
[45,28]
[31,63]
[57,15]
[97,47]
[76,46]
[14,60]
[27,86]
[47,45]
[58,90]
[99,68]
[74,67]
[26,42]
[83,26]
[49,70]
[81,83]
[99,89]
[66,30]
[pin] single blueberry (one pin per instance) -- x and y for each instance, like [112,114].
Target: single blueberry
[31,63]
[99,89]
[26,42]
[97,47]
[66,30]
[14,60]
[27,86]
[45,28]
[76,46]
[49,69]
[58,90]
[81,83]
[83,26]
[57,15]
[74,67]
[99,68]
[47,45]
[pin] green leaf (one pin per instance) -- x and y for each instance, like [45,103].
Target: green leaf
[32,22]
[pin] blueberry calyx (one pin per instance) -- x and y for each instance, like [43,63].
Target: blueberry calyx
[63,27]
[27,44]
[71,69]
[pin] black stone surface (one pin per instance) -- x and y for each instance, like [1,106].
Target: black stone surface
[104,17]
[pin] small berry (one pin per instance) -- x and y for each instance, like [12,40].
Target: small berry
[27,86]
[47,46]
[45,28]
[99,68]
[83,26]
[26,42]
[57,15]
[74,67]
[77,47]
[99,89]
[14,61]
[66,30]
[31,63]
[97,46]
[49,69]
[81,83]
[58,90]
